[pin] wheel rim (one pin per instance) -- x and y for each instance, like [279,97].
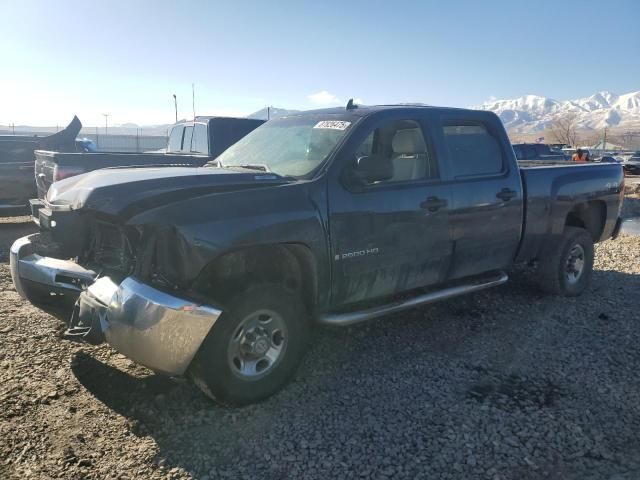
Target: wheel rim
[257,345]
[575,264]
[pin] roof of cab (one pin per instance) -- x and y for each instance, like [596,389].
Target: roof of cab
[365,110]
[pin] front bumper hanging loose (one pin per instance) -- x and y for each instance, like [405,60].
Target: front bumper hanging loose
[154,328]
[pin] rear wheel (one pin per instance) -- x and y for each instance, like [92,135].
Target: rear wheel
[255,346]
[567,269]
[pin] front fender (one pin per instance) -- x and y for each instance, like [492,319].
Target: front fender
[182,238]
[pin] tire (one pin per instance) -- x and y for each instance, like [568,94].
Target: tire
[231,366]
[558,271]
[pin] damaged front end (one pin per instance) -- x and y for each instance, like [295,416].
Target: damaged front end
[117,299]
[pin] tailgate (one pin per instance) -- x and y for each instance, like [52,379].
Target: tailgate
[44,171]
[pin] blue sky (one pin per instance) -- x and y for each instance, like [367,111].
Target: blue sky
[127,58]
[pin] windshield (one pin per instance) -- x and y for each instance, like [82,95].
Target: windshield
[292,146]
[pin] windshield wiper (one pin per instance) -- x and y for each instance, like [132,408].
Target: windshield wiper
[252,166]
[260,167]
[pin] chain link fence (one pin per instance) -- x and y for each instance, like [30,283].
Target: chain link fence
[118,139]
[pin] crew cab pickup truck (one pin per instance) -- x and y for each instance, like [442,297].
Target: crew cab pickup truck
[16,164]
[333,216]
[189,144]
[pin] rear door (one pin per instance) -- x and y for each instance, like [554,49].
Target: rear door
[392,235]
[487,209]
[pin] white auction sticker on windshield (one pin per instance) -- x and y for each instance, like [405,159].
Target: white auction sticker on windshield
[333,124]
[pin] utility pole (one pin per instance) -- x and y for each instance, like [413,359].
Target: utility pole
[268,112]
[604,147]
[175,104]
[106,123]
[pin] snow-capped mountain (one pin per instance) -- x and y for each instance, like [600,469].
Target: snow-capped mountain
[273,113]
[532,113]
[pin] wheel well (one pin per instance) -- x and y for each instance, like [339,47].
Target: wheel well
[291,265]
[590,216]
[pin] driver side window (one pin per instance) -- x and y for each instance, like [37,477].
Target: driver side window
[399,144]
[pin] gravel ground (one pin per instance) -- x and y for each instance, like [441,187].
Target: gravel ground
[502,384]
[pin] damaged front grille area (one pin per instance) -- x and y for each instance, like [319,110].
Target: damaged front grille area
[112,248]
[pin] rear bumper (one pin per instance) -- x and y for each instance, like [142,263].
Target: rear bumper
[153,328]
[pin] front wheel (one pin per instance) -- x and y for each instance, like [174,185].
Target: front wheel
[255,346]
[567,269]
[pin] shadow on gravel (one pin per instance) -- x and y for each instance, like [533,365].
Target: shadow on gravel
[115,388]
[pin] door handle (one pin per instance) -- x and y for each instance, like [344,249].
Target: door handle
[433,204]
[506,194]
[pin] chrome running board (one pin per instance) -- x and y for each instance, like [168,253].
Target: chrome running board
[341,319]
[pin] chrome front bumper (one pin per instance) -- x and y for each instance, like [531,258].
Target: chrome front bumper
[153,328]
[28,269]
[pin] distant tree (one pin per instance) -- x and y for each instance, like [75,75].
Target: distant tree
[564,129]
[589,137]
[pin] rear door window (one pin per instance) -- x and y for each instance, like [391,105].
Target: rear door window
[186,141]
[473,150]
[200,142]
[175,139]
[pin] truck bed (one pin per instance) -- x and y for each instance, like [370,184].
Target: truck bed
[552,189]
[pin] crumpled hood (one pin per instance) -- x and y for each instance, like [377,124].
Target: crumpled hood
[115,191]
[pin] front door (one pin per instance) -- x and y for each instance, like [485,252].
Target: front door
[389,235]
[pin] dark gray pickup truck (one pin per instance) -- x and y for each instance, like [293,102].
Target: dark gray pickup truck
[333,216]
[189,144]
[17,185]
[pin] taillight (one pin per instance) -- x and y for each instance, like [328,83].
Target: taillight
[61,172]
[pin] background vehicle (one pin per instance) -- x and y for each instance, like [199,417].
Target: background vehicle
[609,159]
[85,145]
[334,216]
[189,143]
[632,165]
[536,151]
[16,164]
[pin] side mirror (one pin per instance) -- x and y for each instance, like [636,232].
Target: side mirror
[373,168]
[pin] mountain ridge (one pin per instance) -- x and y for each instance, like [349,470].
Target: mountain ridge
[534,113]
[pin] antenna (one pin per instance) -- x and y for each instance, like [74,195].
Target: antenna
[193,99]
[350,105]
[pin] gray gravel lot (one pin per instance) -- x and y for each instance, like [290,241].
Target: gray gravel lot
[502,384]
